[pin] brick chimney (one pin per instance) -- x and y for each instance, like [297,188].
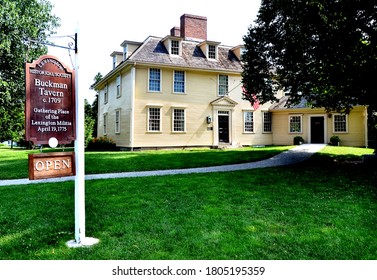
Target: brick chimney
[193,27]
[175,31]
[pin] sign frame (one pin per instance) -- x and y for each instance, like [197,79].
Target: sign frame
[52,165]
[50,101]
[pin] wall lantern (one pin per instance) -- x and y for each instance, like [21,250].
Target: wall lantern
[209,119]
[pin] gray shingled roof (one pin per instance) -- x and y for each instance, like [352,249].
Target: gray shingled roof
[282,104]
[154,51]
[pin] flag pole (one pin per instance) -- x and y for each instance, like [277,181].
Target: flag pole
[80,234]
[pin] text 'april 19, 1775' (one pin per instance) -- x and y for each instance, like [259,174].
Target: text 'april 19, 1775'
[50,101]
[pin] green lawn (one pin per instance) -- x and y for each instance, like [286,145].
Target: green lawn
[324,208]
[14,162]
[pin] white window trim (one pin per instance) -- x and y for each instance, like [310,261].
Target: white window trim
[333,123]
[218,85]
[106,94]
[242,51]
[263,122]
[119,83]
[149,73]
[224,112]
[289,124]
[244,122]
[105,123]
[125,52]
[184,82]
[148,118]
[114,61]
[216,52]
[179,47]
[184,120]
[117,129]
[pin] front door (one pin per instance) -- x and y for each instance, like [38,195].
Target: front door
[317,129]
[224,129]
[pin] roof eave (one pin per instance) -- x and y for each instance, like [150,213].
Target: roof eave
[112,73]
[169,65]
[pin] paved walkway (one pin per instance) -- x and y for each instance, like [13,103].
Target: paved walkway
[294,155]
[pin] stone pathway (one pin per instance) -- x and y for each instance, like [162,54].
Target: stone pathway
[294,155]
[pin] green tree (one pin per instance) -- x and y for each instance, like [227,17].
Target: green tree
[97,78]
[89,122]
[325,51]
[22,23]
[322,50]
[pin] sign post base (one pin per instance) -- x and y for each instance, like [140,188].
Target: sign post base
[87,242]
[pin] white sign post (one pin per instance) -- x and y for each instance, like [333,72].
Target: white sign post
[80,237]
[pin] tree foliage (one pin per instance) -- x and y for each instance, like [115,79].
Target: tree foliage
[20,22]
[96,79]
[322,50]
[89,122]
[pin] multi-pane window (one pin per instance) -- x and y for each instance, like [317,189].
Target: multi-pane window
[154,119]
[295,124]
[118,85]
[267,122]
[125,52]
[179,81]
[212,51]
[340,123]
[114,61]
[248,119]
[154,79]
[106,94]
[243,51]
[105,123]
[223,113]
[178,120]
[174,47]
[117,121]
[223,85]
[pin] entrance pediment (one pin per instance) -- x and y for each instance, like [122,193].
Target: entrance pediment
[224,101]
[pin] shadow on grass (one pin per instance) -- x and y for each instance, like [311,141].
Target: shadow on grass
[106,162]
[14,163]
[317,209]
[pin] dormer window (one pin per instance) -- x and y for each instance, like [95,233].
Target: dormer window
[243,51]
[114,62]
[239,51]
[128,48]
[174,47]
[211,51]
[125,52]
[117,58]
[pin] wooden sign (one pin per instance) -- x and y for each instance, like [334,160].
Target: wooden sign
[50,101]
[51,165]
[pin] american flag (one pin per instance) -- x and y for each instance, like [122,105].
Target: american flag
[256,102]
[253,96]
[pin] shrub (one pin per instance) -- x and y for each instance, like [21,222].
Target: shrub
[298,140]
[335,140]
[103,143]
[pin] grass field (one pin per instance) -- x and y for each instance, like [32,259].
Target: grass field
[324,208]
[14,162]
